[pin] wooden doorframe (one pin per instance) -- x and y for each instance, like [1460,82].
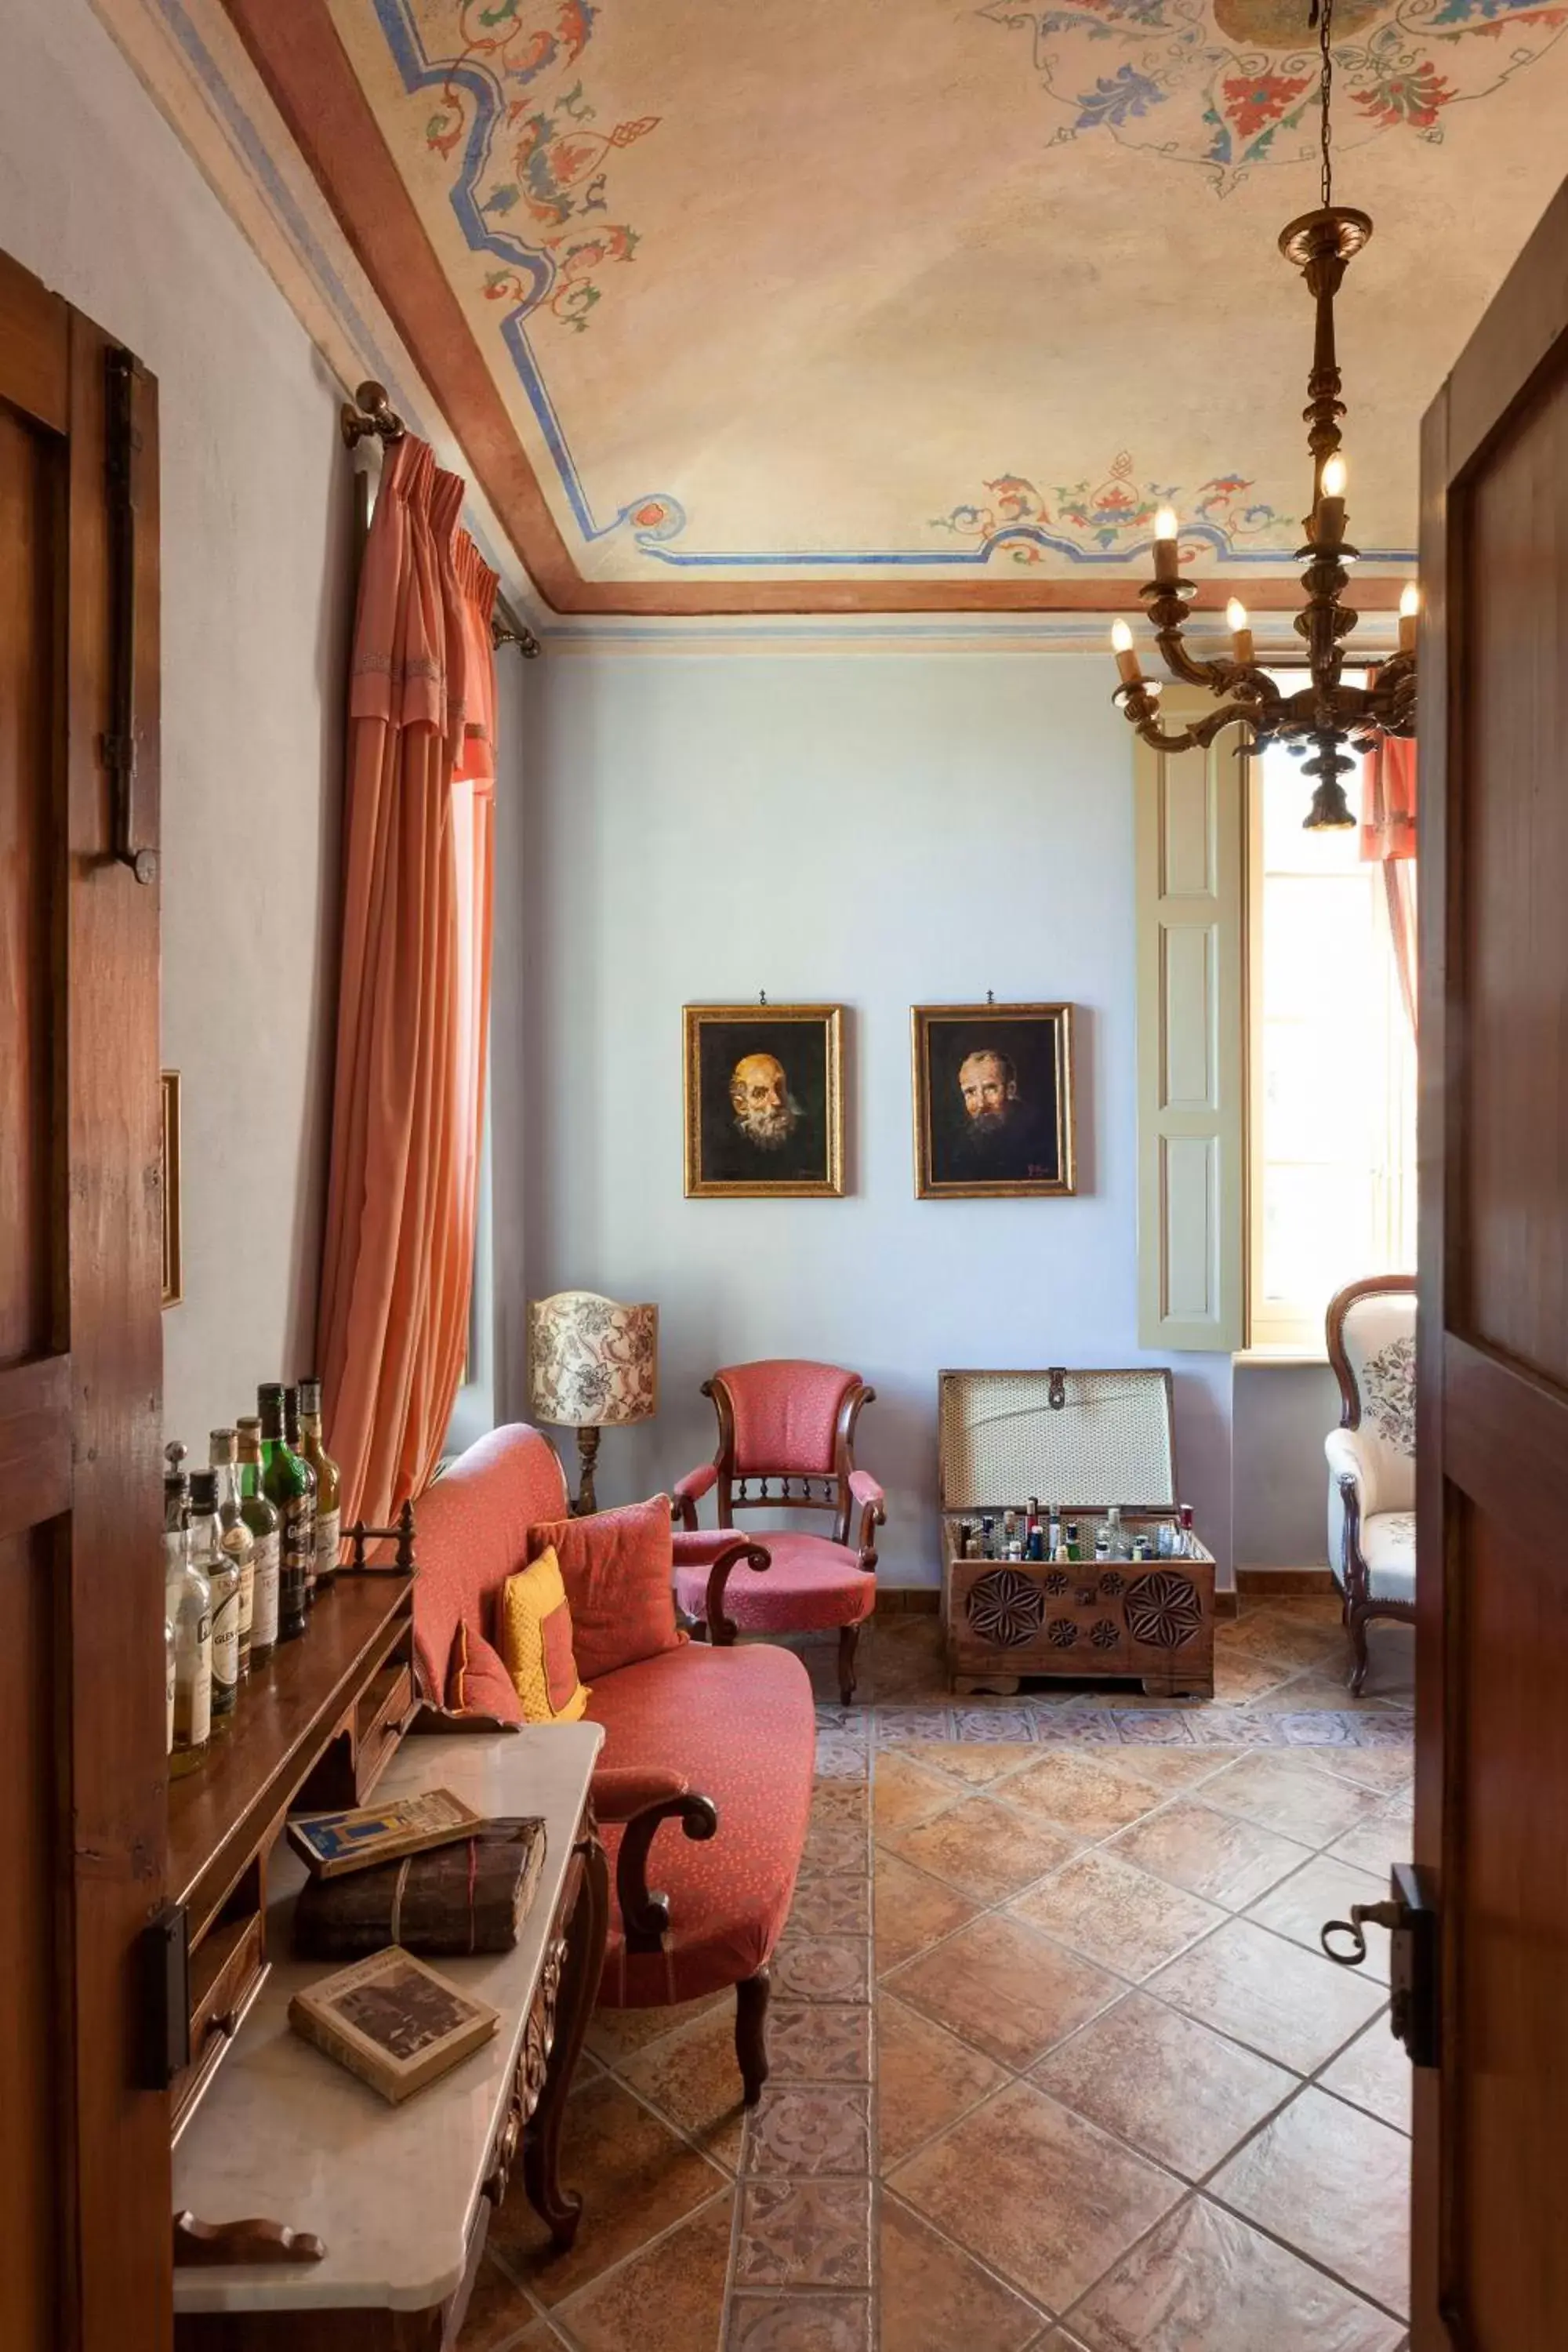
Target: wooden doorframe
[1521,347]
[81,1420]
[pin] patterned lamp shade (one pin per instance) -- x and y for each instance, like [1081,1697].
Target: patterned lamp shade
[592,1364]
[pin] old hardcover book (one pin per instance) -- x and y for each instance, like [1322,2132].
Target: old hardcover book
[393,2021]
[472,1896]
[332,1843]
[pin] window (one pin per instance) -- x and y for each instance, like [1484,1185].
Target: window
[1332,1105]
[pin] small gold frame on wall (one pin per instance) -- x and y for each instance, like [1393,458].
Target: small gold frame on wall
[764,1101]
[174,1266]
[992,1090]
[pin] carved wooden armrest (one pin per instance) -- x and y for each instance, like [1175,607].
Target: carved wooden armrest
[722,1629]
[864,1490]
[643,1914]
[688,1492]
[1350,1501]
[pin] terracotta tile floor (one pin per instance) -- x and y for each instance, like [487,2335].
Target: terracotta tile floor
[1058,2065]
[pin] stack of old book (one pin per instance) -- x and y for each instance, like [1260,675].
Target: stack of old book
[419,1875]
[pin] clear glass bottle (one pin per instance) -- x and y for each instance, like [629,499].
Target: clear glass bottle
[238,1540]
[1054,1534]
[188,1604]
[291,1438]
[285,1482]
[207,1554]
[1185,1539]
[1116,1544]
[328,1484]
[170,1672]
[1101,1544]
[261,1518]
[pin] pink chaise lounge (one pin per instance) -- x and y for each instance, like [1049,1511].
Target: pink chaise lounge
[718,1738]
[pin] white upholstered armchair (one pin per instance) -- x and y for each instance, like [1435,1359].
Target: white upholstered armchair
[1372,1455]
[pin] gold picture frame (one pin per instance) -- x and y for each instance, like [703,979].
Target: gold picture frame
[169,1159]
[788,1142]
[1014,1139]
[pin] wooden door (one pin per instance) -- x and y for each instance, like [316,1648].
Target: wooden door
[1490,2253]
[84,2154]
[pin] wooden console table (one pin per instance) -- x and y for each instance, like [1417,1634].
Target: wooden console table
[399,2198]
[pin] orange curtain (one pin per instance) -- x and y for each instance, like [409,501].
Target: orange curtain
[1388,835]
[413,1010]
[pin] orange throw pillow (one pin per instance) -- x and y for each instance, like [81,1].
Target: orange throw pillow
[476,1681]
[617,1568]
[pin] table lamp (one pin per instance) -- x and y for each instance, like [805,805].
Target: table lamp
[593,1365]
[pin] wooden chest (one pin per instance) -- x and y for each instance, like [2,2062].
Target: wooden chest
[1080,1442]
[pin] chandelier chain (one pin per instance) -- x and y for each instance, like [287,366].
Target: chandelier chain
[1323,16]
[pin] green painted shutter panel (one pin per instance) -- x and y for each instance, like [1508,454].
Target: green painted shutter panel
[1192,1072]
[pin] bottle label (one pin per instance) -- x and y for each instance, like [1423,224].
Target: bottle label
[264,1605]
[239,1547]
[327,1526]
[226,1650]
[193,1694]
[298,1536]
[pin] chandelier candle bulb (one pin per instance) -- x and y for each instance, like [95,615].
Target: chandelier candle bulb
[1126,658]
[1240,634]
[1409,612]
[1166,552]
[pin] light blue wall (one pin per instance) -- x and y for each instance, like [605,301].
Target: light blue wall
[881,830]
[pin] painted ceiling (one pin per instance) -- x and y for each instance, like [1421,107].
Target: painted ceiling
[808,304]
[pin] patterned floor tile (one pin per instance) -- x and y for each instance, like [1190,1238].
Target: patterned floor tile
[906,1792]
[1384,1836]
[1384,1771]
[1277,1637]
[670,2298]
[983,1849]
[895,1724]
[1112,1912]
[1335,2183]
[1217,1855]
[1293,1795]
[1037,2193]
[831,1906]
[810,2127]
[1283,2002]
[498,2312]
[1005,1989]
[819,2041]
[976,1761]
[1325,1889]
[1170,2087]
[833,1848]
[800,2322]
[1081,1793]
[934,2297]
[912,1911]
[637,2178]
[613,2034]
[1374,2073]
[691,2076]
[926,2078]
[1001,1724]
[823,1967]
[1206,2282]
[803,2234]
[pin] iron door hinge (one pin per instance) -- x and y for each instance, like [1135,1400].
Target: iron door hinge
[1411,1917]
[165,1997]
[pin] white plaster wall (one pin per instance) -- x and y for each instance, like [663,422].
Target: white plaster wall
[100,199]
[882,830]
[1283,1413]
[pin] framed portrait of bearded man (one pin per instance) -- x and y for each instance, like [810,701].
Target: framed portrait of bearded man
[764,1101]
[993,1110]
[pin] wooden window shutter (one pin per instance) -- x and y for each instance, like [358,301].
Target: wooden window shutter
[1192,1076]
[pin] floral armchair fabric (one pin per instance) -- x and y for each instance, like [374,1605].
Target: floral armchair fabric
[1371,1333]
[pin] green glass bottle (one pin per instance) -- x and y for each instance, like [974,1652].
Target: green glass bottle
[286,1483]
[264,1522]
[295,1443]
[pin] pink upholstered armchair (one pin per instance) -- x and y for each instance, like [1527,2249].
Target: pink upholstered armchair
[786,1436]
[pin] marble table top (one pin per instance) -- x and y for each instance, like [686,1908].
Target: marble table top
[284,2132]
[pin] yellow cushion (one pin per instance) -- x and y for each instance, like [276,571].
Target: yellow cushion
[536,1642]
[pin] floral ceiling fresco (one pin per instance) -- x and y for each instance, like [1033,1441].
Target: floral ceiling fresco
[1232,84]
[809,316]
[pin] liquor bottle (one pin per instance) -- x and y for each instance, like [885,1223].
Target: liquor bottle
[329,1486]
[261,1518]
[188,1601]
[285,1482]
[291,1438]
[1053,1535]
[1034,1540]
[1187,1541]
[1101,1544]
[208,1556]
[1115,1540]
[1074,1544]
[238,1540]
[1009,1533]
[987,1539]
[170,1673]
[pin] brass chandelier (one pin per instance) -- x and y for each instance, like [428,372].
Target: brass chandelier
[1327,715]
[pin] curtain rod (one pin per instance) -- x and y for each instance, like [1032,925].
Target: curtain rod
[371,412]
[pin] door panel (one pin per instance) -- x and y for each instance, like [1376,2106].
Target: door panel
[1490,2141]
[85,2241]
